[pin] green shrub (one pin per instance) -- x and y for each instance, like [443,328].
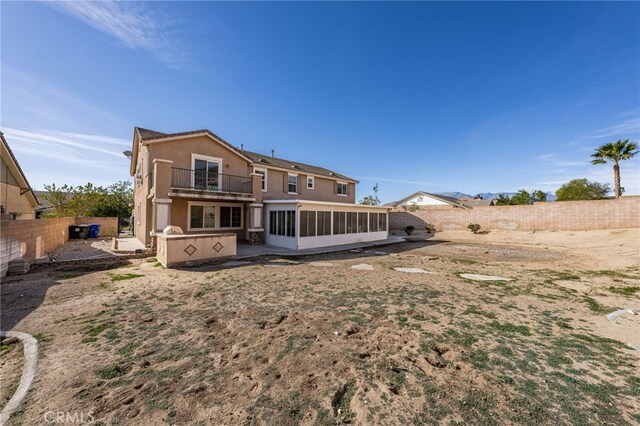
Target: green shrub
[474,227]
[430,227]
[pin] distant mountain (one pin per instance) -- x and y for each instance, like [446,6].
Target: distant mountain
[455,194]
[489,195]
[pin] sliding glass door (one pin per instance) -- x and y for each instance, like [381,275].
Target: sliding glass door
[206,174]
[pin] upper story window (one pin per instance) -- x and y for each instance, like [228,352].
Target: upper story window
[262,172]
[341,188]
[293,184]
[310,182]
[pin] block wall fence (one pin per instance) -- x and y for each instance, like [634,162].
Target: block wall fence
[556,216]
[31,239]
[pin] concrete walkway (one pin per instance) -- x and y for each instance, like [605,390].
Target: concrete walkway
[129,245]
[246,250]
[28,372]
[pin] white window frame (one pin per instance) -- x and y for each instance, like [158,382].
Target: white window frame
[200,203]
[290,175]
[259,169]
[346,189]
[311,180]
[216,207]
[207,158]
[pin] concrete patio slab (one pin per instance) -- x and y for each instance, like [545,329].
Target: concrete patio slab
[245,250]
[362,267]
[321,264]
[478,277]
[413,270]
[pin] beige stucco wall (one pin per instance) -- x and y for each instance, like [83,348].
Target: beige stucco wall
[31,239]
[174,249]
[13,202]
[559,215]
[141,205]
[180,217]
[324,189]
[180,153]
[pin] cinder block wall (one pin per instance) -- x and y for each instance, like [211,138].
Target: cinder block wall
[31,239]
[559,215]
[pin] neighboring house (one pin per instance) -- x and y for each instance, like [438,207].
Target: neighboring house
[201,183]
[427,200]
[45,206]
[17,200]
[478,202]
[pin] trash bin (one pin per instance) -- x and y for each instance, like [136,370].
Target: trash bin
[78,232]
[94,230]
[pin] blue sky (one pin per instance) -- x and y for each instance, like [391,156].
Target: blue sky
[469,97]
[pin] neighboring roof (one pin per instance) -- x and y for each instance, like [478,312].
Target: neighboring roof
[45,205]
[13,163]
[147,135]
[478,202]
[449,200]
[295,166]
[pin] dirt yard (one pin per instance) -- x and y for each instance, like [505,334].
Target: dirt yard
[314,341]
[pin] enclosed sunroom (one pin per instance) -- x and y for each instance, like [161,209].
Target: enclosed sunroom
[303,224]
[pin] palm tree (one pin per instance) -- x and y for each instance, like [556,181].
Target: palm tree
[616,152]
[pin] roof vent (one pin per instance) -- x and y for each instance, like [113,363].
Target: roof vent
[262,160]
[273,153]
[295,166]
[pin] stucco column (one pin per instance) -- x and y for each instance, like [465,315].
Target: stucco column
[161,188]
[255,230]
[256,182]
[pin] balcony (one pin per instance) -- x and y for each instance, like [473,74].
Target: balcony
[209,182]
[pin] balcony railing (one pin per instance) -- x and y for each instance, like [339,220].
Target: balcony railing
[203,180]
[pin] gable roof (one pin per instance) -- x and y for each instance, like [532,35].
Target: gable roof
[294,166]
[16,171]
[449,200]
[146,135]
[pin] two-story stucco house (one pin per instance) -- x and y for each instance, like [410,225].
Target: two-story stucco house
[197,181]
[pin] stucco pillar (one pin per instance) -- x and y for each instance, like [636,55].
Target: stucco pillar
[256,182]
[161,202]
[255,230]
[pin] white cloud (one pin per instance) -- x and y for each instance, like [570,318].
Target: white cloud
[624,129]
[61,139]
[63,157]
[132,23]
[29,102]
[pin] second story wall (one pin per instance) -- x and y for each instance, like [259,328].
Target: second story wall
[182,152]
[323,189]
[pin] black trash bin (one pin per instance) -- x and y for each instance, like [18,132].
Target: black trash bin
[78,232]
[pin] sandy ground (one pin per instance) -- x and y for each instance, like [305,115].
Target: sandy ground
[288,341]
